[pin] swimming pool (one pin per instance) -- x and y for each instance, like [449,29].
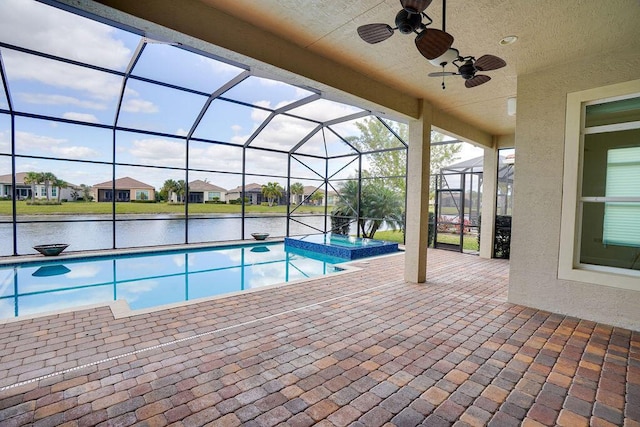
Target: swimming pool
[346,247]
[152,279]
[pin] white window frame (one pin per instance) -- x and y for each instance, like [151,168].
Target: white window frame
[569,266]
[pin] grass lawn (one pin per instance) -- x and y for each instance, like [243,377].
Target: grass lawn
[390,236]
[470,241]
[93,208]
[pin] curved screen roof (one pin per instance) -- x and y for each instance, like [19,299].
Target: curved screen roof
[66,66]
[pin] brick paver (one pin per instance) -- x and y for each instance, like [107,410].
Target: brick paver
[361,348]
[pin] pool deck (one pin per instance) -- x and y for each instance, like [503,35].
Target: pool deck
[361,348]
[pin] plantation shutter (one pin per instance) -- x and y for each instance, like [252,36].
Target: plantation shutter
[622,218]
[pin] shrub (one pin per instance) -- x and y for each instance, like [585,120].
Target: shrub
[502,238]
[502,242]
[43,203]
[431,231]
[340,224]
[143,201]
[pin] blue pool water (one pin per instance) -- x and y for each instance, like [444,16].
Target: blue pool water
[152,279]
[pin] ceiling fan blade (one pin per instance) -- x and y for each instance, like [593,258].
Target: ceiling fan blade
[442,74]
[476,81]
[489,62]
[375,33]
[415,6]
[432,43]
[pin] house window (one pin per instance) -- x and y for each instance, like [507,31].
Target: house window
[600,234]
[54,192]
[142,194]
[214,195]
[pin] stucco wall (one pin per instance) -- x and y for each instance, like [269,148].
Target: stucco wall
[540,129]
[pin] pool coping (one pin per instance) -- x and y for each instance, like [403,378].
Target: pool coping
[121,309]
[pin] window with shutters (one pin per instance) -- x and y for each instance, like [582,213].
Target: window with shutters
[622,198]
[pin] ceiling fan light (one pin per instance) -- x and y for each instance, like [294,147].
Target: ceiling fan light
[508,40]
[446,58]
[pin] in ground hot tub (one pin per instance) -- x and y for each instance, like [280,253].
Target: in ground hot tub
[337,245]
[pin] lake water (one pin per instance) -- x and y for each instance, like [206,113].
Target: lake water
[96,232]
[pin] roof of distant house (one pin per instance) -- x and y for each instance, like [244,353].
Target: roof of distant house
[124,183]
[308,189]
[20,176]
[199,185]
[247,188]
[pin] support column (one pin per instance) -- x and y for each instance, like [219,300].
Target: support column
[489,190]
[417,216]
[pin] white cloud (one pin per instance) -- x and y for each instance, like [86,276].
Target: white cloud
[283,133]
[182,132]
[45,99]
[94,84]
[139,106]
[215,157]
[82,117]
[40,27]
[33,142]
[236,128]
[5,142]
[346,129]
[74,152]
[220,68]
[46,144]
[158,151]
[272,83]
[324,110]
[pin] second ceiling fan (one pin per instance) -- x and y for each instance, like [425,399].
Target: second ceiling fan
[431,43]
[468,66]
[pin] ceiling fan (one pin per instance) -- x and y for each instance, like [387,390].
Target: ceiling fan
[468,66]
[431,43]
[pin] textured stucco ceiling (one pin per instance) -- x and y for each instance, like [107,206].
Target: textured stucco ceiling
[550,32]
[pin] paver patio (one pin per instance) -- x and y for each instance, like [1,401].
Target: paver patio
[362,348]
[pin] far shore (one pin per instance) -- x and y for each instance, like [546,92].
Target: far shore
[106,208]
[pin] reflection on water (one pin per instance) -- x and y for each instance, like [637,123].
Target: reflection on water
[150,280]
[96,232]
[50,270]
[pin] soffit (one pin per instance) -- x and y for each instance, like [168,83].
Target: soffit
[550,33]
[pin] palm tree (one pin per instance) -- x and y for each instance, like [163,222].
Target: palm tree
[346,210]
[32,178]
[181,190]
[47,178]
[380,205]
[60,184]
[316,197]
[168,187]
[297,189]
[272,191]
